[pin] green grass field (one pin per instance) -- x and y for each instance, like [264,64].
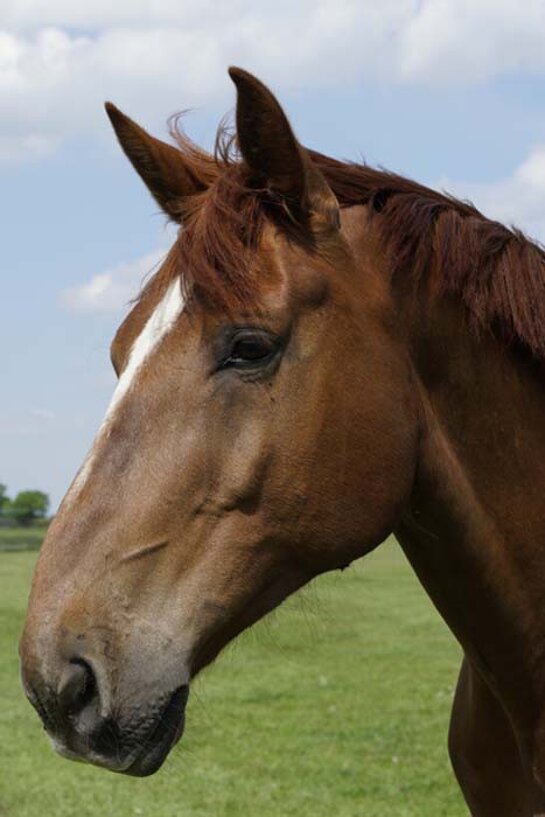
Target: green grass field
[335,706]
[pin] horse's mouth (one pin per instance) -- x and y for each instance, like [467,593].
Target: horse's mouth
[111,749]
[164,735]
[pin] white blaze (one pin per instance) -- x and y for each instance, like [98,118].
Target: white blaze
[158,325]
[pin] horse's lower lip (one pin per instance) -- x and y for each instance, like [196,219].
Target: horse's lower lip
[164,735]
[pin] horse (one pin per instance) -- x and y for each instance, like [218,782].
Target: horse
[329,353]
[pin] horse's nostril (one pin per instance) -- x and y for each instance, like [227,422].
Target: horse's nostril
[77,687]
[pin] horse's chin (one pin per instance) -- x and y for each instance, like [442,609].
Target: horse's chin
[165,736]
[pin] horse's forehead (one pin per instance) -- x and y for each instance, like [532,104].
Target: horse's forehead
[281,266]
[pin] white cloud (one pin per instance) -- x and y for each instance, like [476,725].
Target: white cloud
[468,41]
[112,290]
[26,146]
[59,60]
[57,68]
[517,200]
[93,14]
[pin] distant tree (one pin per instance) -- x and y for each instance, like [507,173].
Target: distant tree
[4,499]
[28,506]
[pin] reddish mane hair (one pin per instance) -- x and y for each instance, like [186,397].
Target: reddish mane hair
[497,272]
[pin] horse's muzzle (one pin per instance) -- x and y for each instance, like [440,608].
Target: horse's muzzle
[85,723]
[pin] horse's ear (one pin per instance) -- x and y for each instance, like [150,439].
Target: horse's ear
[275,157]
[161,167]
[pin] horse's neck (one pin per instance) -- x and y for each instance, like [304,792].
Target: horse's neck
[475,530]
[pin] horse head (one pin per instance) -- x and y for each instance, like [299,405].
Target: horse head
[263,431]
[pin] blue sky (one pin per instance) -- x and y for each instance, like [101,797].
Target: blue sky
[447,91]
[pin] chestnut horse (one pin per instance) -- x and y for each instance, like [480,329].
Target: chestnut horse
[328,354]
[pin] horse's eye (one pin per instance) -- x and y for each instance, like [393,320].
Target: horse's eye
[250,348]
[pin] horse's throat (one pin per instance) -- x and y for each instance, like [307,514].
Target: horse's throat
[475,529]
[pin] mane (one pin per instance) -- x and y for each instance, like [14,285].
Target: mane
[451,248]
[439,241]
